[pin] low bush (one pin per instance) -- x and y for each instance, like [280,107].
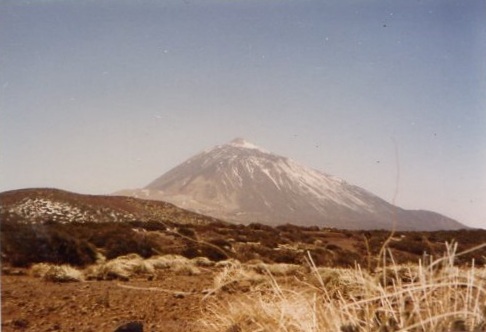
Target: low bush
[414,245]
[56,273]
[63,273]
[133,265]
[128,243]
[122,267]
[25,244]
[202,249]
[186,231]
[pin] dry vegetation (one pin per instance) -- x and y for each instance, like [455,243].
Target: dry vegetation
[79,244]
[432,296]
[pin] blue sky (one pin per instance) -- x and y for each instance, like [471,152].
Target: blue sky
[97,96]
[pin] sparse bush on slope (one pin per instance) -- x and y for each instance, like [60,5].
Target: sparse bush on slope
[25,244]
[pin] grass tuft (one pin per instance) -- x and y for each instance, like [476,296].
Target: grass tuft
[56,273]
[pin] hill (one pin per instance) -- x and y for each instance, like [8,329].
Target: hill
[41,205]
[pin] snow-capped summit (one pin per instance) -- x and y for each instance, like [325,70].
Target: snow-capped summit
[242,143]
[242,182]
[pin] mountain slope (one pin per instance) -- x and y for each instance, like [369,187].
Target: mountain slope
[241,182]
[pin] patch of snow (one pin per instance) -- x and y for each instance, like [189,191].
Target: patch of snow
[266,171]
[41,210]
[241,143]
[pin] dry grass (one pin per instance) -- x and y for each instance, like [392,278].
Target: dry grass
[430,296]
[39,270]
[235,278]
[278,269]
[56,273]
[176,263]
[132,265]
[122,267]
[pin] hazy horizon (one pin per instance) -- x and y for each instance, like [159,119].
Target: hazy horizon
[99,96]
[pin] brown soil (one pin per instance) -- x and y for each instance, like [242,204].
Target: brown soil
[173,303]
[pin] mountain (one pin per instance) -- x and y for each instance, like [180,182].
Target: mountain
[244,183]
[41,205]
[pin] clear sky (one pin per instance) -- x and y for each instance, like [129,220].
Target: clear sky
[98,96]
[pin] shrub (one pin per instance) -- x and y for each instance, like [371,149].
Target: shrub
[414,245]
[286,256]
[39,270]
[202,261]
[56,273]
[65,249]
[222,243]
[186,231]
[322,257]
[63,273]
[276,269]
[122,267]
[25,244]
[127,243]
[261,227]
[176,263]
[346,258]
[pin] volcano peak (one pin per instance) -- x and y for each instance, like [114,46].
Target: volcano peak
[242,182]
[240,142]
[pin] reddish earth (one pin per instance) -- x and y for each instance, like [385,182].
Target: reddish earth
[31,304]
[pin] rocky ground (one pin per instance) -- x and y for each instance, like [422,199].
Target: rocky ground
[168,303]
